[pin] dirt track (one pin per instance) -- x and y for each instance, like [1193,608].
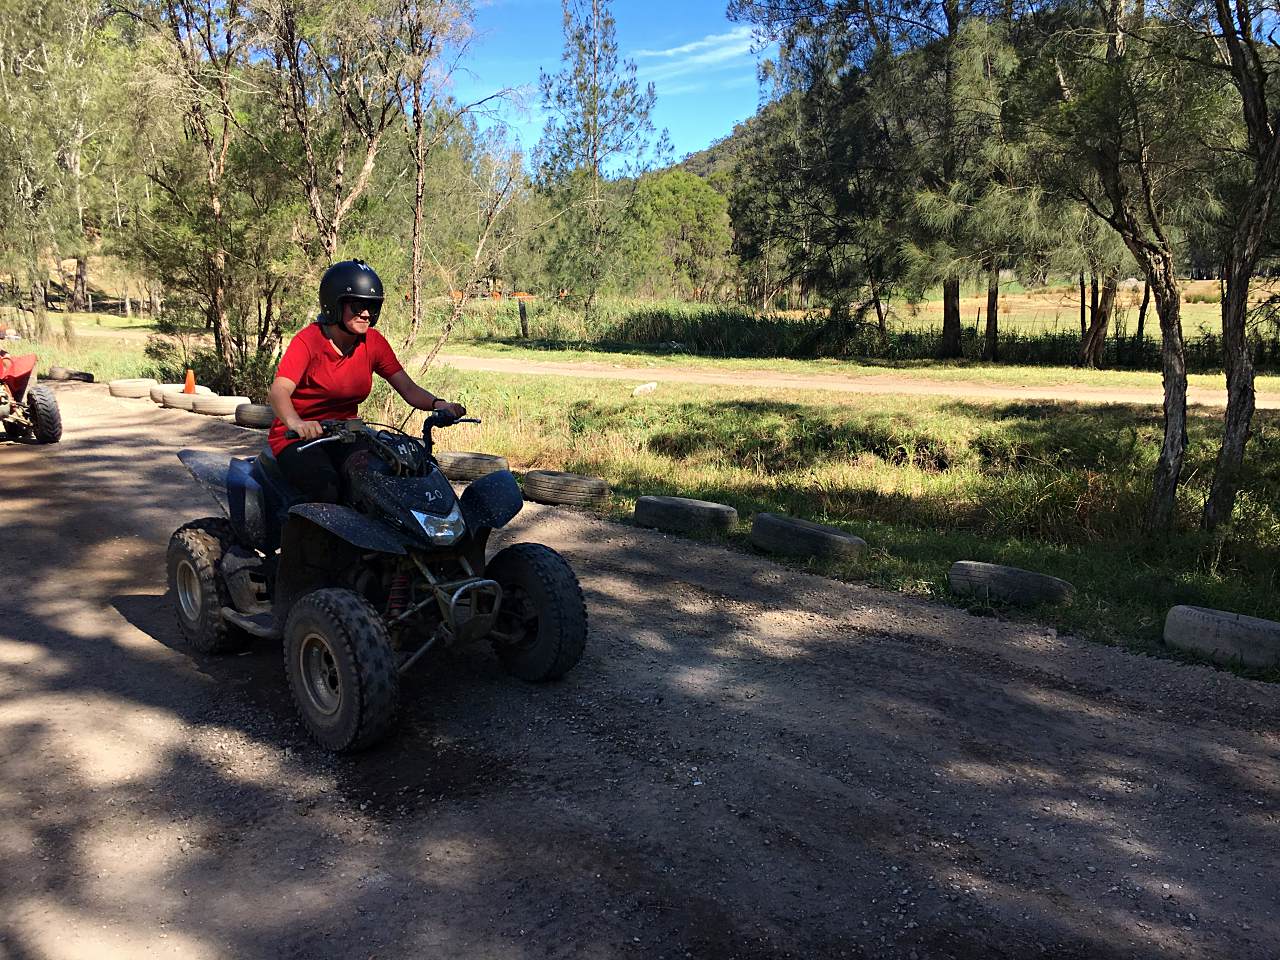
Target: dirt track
[877,384]
[750,762]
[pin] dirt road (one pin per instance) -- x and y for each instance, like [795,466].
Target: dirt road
[749,763]
[877,384]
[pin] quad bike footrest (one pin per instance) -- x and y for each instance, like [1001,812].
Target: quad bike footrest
[260,625]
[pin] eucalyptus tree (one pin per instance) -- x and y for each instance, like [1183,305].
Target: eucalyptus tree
[194,52]
[1235,41]
[597,141]
[433,33]
[918,53]
[332,75]
[50,85]
[1128,124]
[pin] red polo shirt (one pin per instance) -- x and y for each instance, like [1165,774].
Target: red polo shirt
[330,386]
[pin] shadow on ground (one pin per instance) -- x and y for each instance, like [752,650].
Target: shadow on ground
[748,763]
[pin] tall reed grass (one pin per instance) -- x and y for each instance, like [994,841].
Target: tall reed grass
[726,330]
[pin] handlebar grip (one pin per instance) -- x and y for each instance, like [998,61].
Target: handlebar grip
[291,435]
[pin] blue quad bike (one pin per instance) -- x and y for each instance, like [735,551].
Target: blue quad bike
[360,590]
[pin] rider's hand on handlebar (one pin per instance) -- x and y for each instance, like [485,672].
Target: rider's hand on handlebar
[307,429]
[455,410]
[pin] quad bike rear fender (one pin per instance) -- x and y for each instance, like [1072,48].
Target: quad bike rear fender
[210,471]
[16,372]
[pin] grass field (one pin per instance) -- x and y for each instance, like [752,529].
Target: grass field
[1053,487]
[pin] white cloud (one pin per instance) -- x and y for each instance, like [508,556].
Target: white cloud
[694,66]
[737,40]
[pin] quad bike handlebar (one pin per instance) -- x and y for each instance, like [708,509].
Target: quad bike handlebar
[350,429]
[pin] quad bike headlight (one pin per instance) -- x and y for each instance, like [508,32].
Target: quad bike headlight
[441,531]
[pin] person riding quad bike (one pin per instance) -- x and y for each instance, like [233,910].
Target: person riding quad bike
[327,372]
[360,557]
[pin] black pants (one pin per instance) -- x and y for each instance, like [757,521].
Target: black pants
[316,472]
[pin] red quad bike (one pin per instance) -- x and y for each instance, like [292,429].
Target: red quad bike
[26,413]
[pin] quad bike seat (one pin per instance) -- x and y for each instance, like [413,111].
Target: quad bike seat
[270,466]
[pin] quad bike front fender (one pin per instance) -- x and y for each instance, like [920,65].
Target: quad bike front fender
[319,546]
[351,526]
[491,502]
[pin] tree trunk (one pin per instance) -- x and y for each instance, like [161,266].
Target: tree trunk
[1240,399]
[951,318]
[1084,325]
[1161,510]
[1095,340]
[80,291]
[524,319]
[419,189]
[39,315]
[993,315]
[1142,315]
[218,280]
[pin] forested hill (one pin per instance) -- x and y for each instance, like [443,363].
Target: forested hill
[720,156]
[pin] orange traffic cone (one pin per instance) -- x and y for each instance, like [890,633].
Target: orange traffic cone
[190,385]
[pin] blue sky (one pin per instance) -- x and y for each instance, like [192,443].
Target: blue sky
[700,63]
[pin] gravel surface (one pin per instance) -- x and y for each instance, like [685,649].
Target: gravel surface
[749,762]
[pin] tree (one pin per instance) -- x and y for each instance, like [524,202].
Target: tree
[597,138]
[201,46]
[1127,134]
[334,74]
[429,28]
[919,57]
[818,193]
[680,239]
[49,56]
[1231,36]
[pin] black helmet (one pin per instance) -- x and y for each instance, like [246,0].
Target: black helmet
[349,280]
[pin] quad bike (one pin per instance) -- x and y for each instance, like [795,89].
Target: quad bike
[25,413]
[360,590]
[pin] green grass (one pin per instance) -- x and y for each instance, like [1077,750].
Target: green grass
[108,321]
[105,357]
[1057,488]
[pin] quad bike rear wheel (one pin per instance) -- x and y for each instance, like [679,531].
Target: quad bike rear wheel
[542,626]
[46,420]
[199,593]
[341,669]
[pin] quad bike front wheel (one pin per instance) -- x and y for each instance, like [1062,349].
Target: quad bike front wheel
[46,420]
[341,669]
[542,625]
[199,593]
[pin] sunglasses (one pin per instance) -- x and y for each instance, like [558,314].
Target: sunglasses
[373,307]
